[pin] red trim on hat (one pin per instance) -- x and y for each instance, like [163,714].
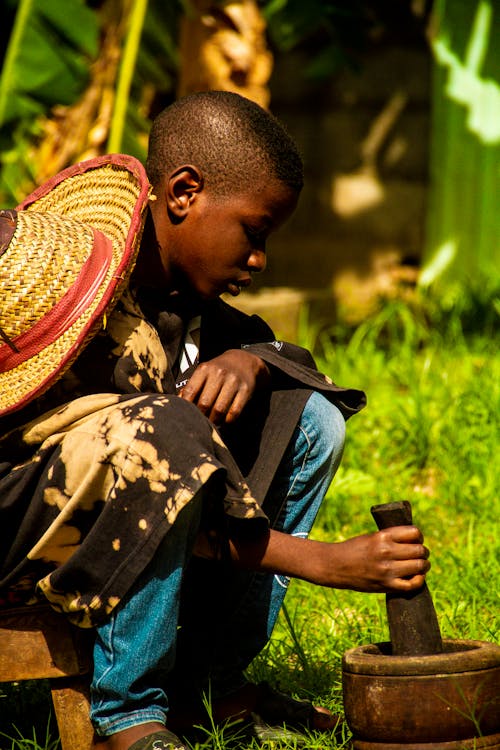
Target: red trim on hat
[65,312]
[125,161]
[108,298]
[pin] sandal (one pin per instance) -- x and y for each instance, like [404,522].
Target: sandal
[162,740]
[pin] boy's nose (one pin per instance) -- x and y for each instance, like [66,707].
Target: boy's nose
[257,261]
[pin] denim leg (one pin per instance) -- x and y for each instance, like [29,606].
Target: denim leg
[302,481]
[239,608]
[135,648]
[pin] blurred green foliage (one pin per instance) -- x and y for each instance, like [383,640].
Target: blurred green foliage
[462,252]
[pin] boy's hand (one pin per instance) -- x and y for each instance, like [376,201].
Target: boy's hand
[394,559]
[223,386]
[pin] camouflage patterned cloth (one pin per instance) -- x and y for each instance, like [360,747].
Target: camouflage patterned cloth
[91,484]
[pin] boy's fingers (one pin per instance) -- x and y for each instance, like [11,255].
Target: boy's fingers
[404,534]
[409,568]
[224,403]
[412,583]
[239,402]
[409,575]
[193,387]
[410,552]
[219,396]
[205,391]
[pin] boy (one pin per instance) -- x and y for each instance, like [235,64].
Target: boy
[159,476]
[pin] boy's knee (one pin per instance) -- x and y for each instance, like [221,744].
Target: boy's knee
[324,422]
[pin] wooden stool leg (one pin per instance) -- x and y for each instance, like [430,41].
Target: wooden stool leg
[71,706]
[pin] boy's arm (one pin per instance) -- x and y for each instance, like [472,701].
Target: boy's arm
[391,560]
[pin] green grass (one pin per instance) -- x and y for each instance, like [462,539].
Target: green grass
[428,435]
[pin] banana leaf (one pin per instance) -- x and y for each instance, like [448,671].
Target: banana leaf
[50,51]
[47,57]
[462,252]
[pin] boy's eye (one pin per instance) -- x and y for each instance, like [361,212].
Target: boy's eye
[256,236]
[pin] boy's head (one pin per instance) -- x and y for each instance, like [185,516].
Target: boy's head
[231,139]
[225,174]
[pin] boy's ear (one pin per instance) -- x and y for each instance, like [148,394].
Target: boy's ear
[181,189]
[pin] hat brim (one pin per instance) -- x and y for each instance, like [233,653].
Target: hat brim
[109,194]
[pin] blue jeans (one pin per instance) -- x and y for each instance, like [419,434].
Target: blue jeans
[167,639]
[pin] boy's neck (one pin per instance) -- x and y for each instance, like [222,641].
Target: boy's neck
[149,270]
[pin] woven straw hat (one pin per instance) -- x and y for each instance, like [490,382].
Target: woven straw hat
[69,258]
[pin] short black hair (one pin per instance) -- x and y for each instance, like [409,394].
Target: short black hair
[230,138]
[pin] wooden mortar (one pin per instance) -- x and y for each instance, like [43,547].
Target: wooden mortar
[419,692]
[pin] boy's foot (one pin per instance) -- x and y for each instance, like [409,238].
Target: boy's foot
[277,708]
[262,705]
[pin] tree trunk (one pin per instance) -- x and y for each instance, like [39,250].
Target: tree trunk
[223,46]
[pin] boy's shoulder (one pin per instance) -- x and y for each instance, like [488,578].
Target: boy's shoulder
[219,316]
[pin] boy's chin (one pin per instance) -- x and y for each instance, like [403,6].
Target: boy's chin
[233,290]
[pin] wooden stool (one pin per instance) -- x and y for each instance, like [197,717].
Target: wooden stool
[37,643]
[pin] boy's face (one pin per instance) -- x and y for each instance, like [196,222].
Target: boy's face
[221,241]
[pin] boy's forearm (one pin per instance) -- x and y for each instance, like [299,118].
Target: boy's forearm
[393,559]
[272,552]
[276,552]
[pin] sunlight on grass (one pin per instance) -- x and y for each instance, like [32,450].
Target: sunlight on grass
[428,435]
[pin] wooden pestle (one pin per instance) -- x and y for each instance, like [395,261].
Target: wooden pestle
[413,624]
